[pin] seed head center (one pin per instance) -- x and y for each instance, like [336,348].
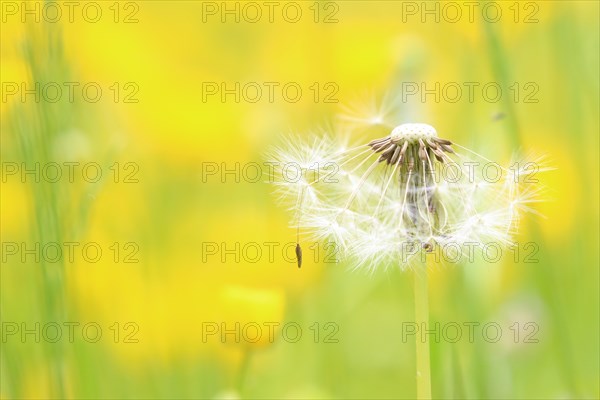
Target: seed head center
[412,133]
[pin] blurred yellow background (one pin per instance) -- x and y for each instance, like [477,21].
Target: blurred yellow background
[164,57]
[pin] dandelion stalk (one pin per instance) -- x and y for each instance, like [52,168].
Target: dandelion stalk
[422,346]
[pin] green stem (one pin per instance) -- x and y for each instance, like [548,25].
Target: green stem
[500,69]
[501,73]
[422,346]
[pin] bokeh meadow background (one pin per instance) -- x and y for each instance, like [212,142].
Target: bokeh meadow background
[159,287]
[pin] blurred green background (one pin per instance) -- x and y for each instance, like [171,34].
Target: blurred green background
[166,213]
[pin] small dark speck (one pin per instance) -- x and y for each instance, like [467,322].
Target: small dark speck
[299,254]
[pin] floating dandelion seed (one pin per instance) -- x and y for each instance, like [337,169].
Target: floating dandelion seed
[386,201]
[299,254]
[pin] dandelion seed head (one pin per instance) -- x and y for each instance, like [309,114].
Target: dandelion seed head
[389,192]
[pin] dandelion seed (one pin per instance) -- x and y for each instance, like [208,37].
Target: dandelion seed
[299,254]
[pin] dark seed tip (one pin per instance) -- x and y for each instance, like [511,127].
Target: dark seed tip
[299,254]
